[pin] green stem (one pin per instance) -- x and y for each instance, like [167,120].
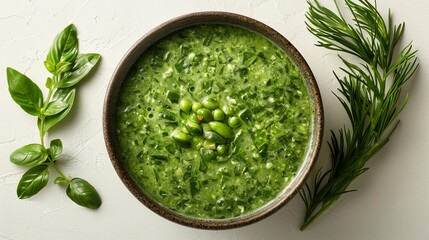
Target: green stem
[311,219]
[41,130]
[59,171]
[42,117]
[48,98]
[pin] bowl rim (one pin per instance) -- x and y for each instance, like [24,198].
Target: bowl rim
[176,24]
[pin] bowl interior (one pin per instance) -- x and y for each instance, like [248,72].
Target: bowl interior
[130,58]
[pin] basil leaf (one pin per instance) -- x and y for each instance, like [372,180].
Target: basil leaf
[49,83]
[63,67]
[65,95]
[64,49]
[29,155]
[55,149]
[83,193]
[50,66]
[84,64]
[55,107]
[60,179]
[34,180]
[24,92]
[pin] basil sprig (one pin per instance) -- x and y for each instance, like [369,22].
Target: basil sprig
[68,68]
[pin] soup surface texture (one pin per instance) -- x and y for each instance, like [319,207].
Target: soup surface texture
[213,121]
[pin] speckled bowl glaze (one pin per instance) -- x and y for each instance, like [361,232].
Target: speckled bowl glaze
[119,75]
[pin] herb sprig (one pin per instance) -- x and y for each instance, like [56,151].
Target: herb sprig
[68,68]
[369,93]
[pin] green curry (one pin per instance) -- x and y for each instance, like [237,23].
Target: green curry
[214,121]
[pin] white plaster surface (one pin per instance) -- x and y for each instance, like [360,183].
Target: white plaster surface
[392,201]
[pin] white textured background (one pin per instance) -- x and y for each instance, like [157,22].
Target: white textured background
[392,201]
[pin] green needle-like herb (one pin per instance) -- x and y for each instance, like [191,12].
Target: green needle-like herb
[369,93]
[68,68]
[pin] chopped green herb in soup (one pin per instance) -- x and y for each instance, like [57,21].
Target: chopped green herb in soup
[214,121]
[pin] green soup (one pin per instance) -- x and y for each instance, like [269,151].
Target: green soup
[214,121]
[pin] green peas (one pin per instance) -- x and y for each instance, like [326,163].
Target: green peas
[222,150]
[182,139]
[194,118]
[215,137]
[234,122]
[185,106]
[206,114]
[194,128]
[207,154]
[218,115]
[198,142]
[196,106]
[222,129]
[208,144]
[206,126]
[210,103]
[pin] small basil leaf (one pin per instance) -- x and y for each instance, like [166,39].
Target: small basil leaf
[29,155]
[60,180]
[24,92]
[84,64]
[34,180]
[49,83]
[83,193]
[65,95]
[63,49]
[55,107]
[55,149]
[63,67]
[49,66]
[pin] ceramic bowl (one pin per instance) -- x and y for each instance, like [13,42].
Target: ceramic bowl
[139,48]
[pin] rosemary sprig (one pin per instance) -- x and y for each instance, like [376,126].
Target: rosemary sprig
[369,93]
